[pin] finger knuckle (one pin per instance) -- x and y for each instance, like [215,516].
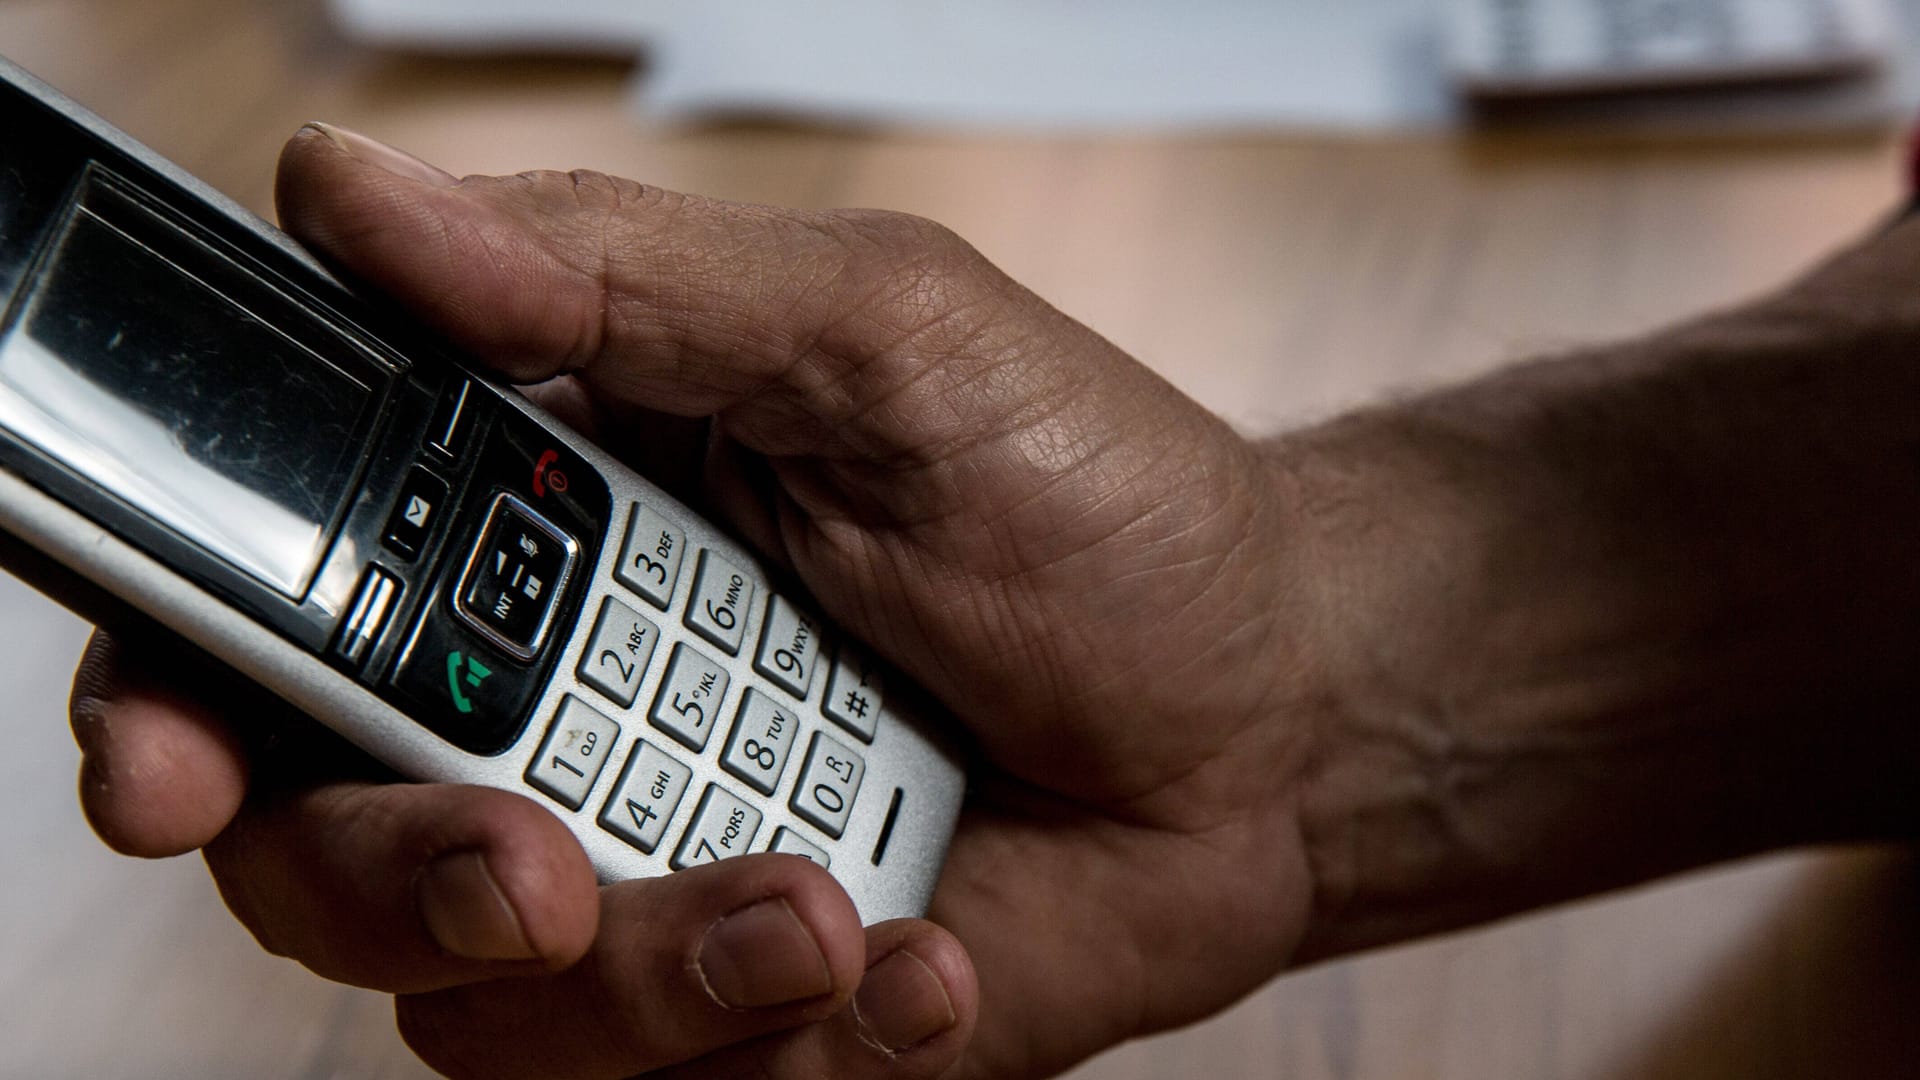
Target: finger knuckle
[904,249]
[593,190]
[900,280]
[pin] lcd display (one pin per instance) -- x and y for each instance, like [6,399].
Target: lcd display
[127,364]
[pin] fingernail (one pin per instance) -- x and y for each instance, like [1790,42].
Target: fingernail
[376,153]
[467,913]
[901,1003]
[763,955]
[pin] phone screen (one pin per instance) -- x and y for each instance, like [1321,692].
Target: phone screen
[140,359]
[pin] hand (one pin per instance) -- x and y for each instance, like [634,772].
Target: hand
[1082,564]
[1238,706]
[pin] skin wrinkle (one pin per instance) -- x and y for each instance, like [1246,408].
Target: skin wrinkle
[1113,484]
[800,353]
[1148,513]
[886,448]
[1435,772]
[462,242]
[1027,839]
[1107,487]
[1044,479]
[1044,410]
[932,469]
[936,442]
[889,450]
[1093,648]
[679,312]
[594,334]
[886,287]
[1133,807]
[943,445]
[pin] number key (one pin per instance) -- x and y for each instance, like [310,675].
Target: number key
[763,732]
[722,593]
[644,800]
[619,651]
[650,558]
[788,644]
[689,698]
[573,754]
[788,842]
[828,785]
[722,827]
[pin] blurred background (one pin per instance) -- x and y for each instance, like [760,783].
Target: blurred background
[1285,207]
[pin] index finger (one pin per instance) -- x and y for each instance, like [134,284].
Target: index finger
[869,333]
[161,772]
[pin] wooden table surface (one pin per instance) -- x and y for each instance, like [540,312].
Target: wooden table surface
[1274,278]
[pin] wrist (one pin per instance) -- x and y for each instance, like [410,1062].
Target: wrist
[1603,618]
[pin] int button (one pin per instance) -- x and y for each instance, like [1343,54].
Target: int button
[514,577]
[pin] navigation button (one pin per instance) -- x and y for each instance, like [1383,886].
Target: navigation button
[514,577]
[414,513]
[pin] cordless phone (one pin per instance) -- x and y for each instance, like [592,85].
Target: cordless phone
[201,423]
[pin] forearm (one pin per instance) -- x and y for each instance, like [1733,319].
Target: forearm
[1605,617]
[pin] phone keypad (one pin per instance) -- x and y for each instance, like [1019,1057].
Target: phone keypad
[854,694]
[618,653]
[722,594]
[722,828]
[828,784]
[789,642]
[763,732]
[574,753]
[694,698]
[650,558]
[690,697]
[643,802]
[790,842]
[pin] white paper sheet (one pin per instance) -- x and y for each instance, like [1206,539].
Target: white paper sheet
[613,27]
[1075,65]
[1060,63]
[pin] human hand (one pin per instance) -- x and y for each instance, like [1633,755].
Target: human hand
[1081,563]
[1237,706]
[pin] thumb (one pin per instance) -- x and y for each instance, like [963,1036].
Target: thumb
[807,327]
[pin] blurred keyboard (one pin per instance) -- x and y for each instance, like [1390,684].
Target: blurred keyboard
[1535,47]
